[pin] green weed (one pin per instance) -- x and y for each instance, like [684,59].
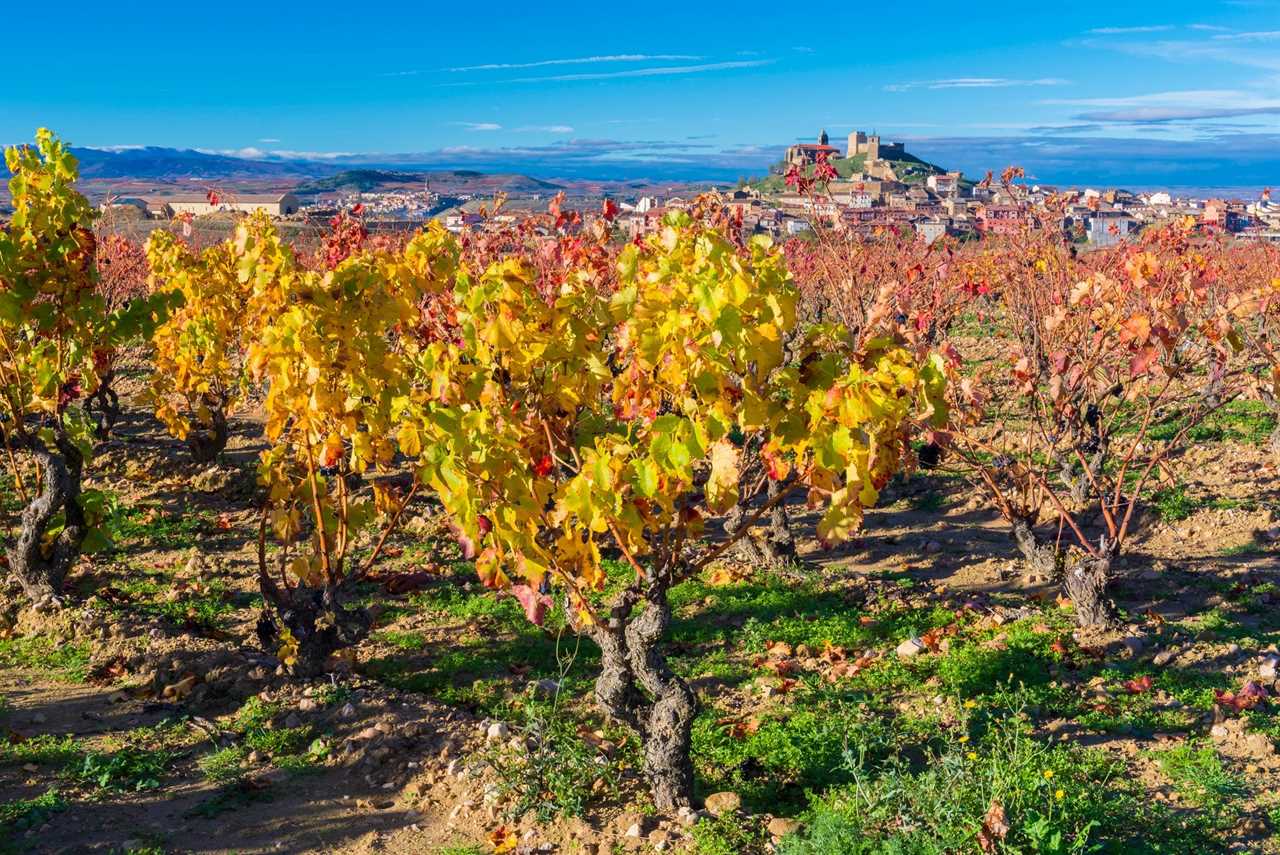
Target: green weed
[222,766]
[67,661]
[24,814]
[44,749]
[1198,775]
[124,769]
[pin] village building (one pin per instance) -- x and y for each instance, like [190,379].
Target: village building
[275,205]
[873,148]
[803,154]
[1108,228]
[1001,219]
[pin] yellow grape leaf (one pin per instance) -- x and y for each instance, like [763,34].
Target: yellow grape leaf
[503,840]
[722,486]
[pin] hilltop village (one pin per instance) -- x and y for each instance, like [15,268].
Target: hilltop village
[878,185]
[881,185]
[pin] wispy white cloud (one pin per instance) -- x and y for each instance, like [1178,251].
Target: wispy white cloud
[656,71]
[1209,28]
[1241,49]
[247,153]
[1257,36]
[1119,31]
[478,126]
[975,83]
[268,140]
[545,129]
[255,153]
[580,60]
[1174,106]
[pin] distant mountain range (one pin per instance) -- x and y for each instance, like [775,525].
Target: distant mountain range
[172,164]
[144,170]
[364,180]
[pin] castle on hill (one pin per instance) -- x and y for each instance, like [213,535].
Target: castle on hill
[860,143]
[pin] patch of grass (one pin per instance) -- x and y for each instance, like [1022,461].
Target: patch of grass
[729,835]
[1173,504]
[1245,422]
[557,777]
[66,661]
[295,748]
[280,742]
[1241,550]
[255,714]
[150,527]
[125,769]
[153,592]
[1198,775]
[222,766]
[411,641]
[44,749]
[1055,799]
[305,761]
[332,694]
[23,814]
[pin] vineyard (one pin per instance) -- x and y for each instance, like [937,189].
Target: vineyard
[533,539]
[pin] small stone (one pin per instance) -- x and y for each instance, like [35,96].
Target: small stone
[1164,657]
[687,816]
[660,840]
[497,732]
[307,705]
[1133,645]
[545,689]
[911,648]
[721,804]
[273,775]
[456,768]
[633,830]
[292,721]
[933,546]
[1269,667]
[347,711]
[256,756]
[781,826]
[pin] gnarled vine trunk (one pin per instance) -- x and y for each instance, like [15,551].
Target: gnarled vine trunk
[318,621]
[1084,577]
[206,442]
[771,545]
[104,406]
[636,686]
[313,621]
[1273,406]
[42,568]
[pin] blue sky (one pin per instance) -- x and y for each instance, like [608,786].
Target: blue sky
[682,87]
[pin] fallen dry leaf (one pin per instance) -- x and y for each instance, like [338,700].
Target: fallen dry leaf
[503,839]
[995,825]
[1139,686]
[179,690]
